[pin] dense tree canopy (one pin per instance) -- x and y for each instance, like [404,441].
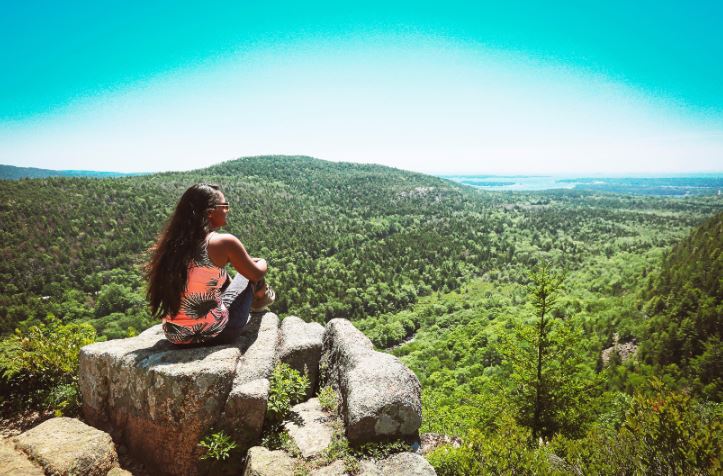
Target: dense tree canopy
[684,331]
[433,271]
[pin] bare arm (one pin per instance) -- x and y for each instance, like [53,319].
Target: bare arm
[254,269]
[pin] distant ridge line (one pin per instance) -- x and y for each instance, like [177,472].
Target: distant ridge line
[12,172]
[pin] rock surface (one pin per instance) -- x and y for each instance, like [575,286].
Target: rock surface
[245,409]
[380,396]
[400,464]
[431,441]
[310,428]
[624,351]
[119,472]
[300,347]
[262,462]
[67,446]
[334,469]
[406,464]
[15,463]
[160,400]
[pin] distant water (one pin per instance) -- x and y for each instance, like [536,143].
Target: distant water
[677,185]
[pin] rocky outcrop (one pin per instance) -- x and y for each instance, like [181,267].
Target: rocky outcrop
[380,396]
[66,446]
[300,347]
[622,351]
[160,400]
[431,441]
[313,432]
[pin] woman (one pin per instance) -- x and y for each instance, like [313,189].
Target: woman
[188,286]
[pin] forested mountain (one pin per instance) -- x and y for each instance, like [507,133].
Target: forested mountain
[435,272]
[343,240]
[684,330]
[10,172]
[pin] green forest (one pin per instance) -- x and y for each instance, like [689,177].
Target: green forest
[557,332]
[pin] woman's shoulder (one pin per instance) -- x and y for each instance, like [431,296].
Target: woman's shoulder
[220,240]
[220,246]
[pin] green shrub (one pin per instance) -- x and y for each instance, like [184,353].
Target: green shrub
[288,387]
[670,433]
[218,446]
[277,438]
[663,433]
[40,365]
[380,450]
[504,451]
[64,399]
[328,399]
[339,449]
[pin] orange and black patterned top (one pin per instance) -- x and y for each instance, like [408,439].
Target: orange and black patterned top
[203,315]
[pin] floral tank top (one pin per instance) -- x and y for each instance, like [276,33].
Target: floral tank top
[202,315]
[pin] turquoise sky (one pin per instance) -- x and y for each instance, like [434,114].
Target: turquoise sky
[445,87]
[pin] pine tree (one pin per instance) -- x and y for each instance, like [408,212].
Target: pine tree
[548,381]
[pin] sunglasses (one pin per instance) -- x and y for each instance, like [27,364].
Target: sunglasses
[222,204]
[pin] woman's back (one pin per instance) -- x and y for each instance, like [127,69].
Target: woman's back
[203,314]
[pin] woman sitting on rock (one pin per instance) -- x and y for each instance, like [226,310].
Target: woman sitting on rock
[188,286]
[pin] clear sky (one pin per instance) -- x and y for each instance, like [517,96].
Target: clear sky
[440,87]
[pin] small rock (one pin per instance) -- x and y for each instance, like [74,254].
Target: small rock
[245,410]
[430,441]
[381,397]
[406,464]
[119,472]
[338,468]
[262,462]
[334,469]
[301,348]
[69,446]
[310,429]
[369,468]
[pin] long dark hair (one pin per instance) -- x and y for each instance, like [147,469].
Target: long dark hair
[179,243]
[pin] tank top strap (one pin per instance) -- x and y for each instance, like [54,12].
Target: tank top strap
[203,258]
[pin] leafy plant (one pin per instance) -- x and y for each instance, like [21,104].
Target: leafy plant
[380,450]
[670,435]
[40,365]
[339,449]
[664,432]
[64,399]
[218,446]
[503,450]
[276,438]
[328,399]
[288,387]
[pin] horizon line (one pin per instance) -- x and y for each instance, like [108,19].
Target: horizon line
[446,175]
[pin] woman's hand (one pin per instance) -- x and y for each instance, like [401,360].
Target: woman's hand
[261,264]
